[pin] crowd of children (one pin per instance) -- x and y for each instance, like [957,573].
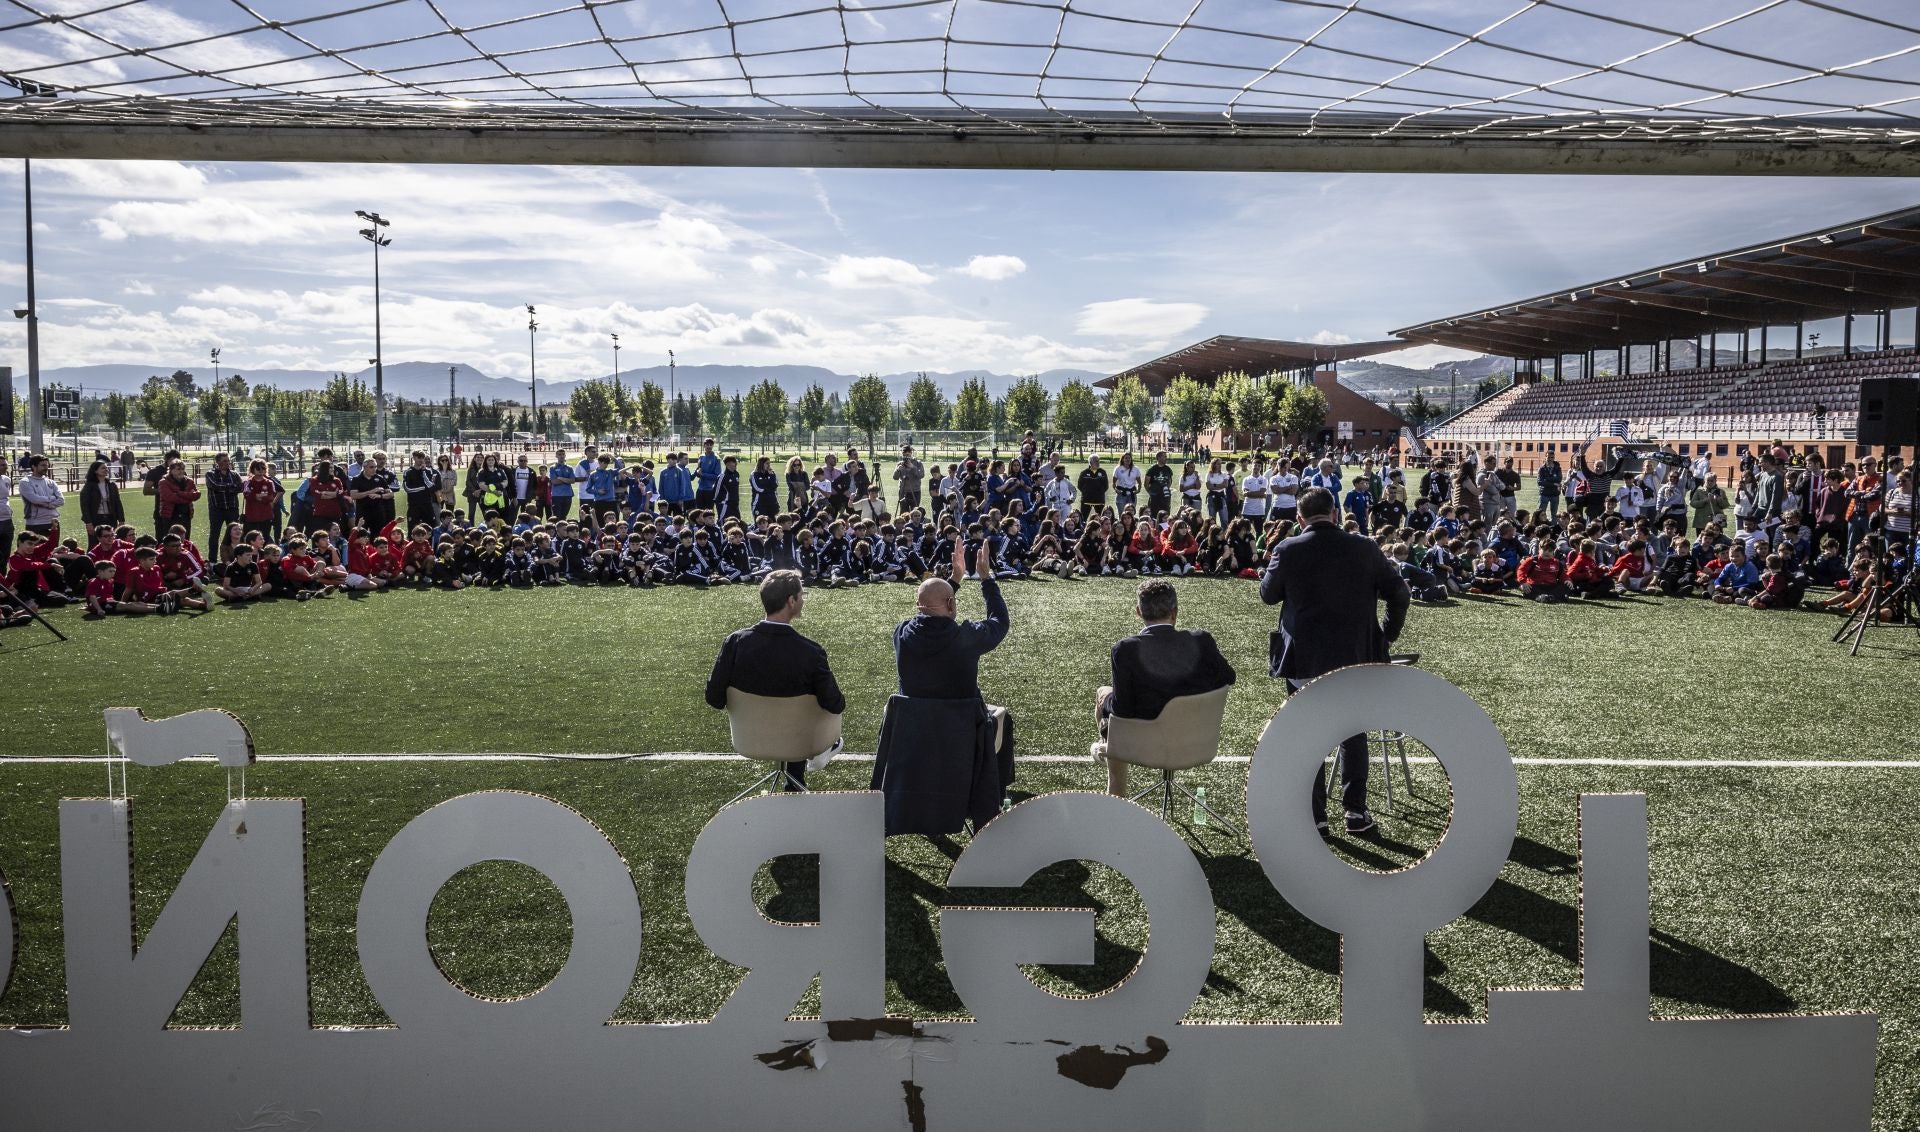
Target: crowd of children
[1032,518]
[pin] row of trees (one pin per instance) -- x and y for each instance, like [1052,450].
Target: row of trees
[1237,404]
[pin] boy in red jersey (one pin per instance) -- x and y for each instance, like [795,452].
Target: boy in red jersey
[302,571]
[257,506]
[146,585]
[31,575]
[102,595]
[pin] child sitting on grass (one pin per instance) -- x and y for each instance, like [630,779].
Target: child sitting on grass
[243,581]
[1774,585]
[102,599]
[1737,580]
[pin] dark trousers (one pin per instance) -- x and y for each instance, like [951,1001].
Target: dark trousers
[796,773]
[561,506]
[219,518]
[908,500]
[1353,777]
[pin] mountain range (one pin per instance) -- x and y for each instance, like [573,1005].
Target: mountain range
[428,381]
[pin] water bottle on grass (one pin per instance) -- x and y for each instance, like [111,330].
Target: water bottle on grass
[1200,806]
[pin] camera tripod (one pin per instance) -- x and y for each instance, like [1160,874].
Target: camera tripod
[1901,600]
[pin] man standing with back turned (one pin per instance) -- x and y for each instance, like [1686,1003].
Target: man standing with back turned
[1327,582]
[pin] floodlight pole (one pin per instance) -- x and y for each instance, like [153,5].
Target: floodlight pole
[373,235]
[451,371]
[673,406]
[533,387]
[36,430]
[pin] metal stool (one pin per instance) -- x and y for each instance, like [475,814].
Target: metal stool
[1387,743]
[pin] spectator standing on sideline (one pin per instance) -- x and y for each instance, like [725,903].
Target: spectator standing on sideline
[150,482]
[771,658]
[560,480]
[6,510]
[1093,487]
[707,474]
[909,474]
[1327,582]
[676,484]
[1548,479]
[99,498]
[422,486]
[178,494]
[1126,482]
[1156,664]
[223,497]
[1159,479]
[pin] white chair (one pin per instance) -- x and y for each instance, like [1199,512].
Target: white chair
[779,730]
[1185,735]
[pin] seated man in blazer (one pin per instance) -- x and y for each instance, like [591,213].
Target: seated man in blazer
[1329,583]
[1157,664]
[771,658]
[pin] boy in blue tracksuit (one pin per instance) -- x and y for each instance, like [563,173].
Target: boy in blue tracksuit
[707,486]
[676,484]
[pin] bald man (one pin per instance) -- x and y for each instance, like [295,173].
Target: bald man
[938,655]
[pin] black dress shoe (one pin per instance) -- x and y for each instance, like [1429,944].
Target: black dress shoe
[1360,823]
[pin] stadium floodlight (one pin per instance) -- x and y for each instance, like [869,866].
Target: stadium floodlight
[533,383]
[21,312]
[372,235]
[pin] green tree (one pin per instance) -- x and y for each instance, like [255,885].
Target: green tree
[344,395]
[236,387]
[1077,411]
[1189,404]
[119,414]
[592,408]
[713,410]
[625,408]
[1486,388]
[164,408]
[1129,403]
[737,415]
[926,408]
[1420,410]
[182,382]
[1253,407]
[973,408]
[213,408]
[1027,404]
[868,406]
[1306,412]
[650,409]
[766,410]
[813,410]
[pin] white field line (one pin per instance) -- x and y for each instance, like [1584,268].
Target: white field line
[701,756]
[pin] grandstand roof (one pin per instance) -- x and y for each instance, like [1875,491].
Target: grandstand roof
[1227,353]
[1862,265]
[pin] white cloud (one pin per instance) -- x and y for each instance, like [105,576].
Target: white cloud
[137,287]
[1329,338]
[763,265]
[1138,318]
[212,220]
[993,268]
[849,271]
[1423,357]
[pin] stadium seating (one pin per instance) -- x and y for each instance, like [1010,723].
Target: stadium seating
[1805,398]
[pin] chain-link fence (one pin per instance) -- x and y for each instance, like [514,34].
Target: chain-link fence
[254,427]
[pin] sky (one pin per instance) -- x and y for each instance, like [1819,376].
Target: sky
[857,271]
[155,263]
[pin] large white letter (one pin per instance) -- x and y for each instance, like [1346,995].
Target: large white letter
[499,826]
[1382,918]
[847,948]
[983,946]
[252,865]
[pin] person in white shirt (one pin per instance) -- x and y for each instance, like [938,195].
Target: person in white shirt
[1126,482]
[1060,494]
[1632,497]
[1327,477]
[42,496]
[1283,486]
[1253,493]
[6,509]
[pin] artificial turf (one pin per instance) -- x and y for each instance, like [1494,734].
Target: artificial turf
[1774,888]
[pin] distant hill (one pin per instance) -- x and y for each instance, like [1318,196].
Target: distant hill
[427,381]
[1383,383]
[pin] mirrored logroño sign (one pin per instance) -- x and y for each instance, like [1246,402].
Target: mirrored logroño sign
[1586,1057]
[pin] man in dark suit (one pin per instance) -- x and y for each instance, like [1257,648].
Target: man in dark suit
[1157,664]
[938,654]
[771,658]
[1328,581]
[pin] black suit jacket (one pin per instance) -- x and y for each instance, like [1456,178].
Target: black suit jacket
[772,659]
[1160,663]
[939,657]
[1328,582]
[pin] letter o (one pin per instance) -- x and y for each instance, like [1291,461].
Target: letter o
[511,826]
[1469,856]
